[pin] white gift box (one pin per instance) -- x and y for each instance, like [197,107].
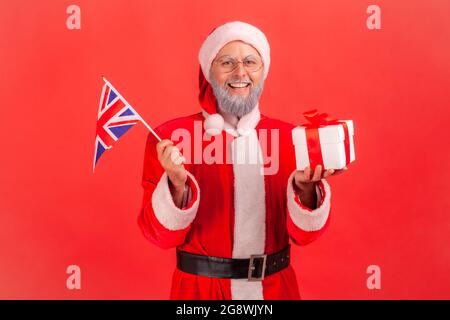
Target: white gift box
[332,145]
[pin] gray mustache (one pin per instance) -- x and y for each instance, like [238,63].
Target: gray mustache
[237,80]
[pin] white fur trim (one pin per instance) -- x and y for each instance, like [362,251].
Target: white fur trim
[249,121]
[167,213]
[244,125]
[213,124]
[228,32]
[308,220]
[242,289]
[250,210]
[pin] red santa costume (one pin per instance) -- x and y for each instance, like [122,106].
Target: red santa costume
[231,210]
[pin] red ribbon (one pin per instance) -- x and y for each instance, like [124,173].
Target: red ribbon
[316,121]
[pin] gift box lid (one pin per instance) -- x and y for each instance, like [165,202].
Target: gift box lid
[328,134]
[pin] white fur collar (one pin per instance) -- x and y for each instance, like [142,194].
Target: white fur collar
[231,124]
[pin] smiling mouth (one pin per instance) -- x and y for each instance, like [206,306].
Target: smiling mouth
[239,85]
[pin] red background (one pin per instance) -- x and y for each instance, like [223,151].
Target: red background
[391,209]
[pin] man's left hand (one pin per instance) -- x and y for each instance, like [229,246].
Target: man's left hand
[304,183]
[305,178]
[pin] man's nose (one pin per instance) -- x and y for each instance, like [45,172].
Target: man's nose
[240,70]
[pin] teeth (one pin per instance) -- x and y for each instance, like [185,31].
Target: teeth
[239,85]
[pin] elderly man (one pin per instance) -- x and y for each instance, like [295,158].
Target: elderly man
[231,221]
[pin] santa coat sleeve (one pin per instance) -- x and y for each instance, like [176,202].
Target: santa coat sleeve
[160,220]
[304,224]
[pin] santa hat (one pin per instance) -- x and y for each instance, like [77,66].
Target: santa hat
[219,37]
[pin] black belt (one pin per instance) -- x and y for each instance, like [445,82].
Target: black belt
[253,269]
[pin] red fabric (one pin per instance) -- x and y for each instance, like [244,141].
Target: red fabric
[211,232]
[149,224]
[206,96]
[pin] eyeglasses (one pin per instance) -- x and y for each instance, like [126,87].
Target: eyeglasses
[229,64]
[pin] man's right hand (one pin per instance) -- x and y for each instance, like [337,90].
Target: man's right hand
[172,162]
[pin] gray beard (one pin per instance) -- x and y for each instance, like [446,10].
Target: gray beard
[236,105]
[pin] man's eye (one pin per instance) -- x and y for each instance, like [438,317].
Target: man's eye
[226,63]
[250,62]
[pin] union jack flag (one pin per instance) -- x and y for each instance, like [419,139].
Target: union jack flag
[115,117]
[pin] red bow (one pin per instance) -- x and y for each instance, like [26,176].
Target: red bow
[317,119]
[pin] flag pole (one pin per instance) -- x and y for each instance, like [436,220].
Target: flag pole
[143,121]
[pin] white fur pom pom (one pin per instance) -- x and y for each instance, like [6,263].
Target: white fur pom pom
[214,124]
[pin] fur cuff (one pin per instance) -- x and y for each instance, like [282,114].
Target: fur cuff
[303,217]
[167,213]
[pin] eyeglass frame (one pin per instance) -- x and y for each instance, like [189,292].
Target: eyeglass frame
[237,63]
